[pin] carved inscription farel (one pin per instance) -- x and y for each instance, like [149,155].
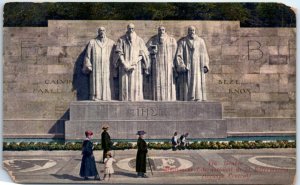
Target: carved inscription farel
[54,86]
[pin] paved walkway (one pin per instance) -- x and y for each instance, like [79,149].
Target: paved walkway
[261,166]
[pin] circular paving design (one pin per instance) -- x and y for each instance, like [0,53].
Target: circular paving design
[280,162]
[159,164]
[28,165]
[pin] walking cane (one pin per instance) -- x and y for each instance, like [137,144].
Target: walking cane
[150,165]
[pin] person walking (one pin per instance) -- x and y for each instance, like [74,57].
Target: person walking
[88,164]
[105,141]
[183,140]
[141,155]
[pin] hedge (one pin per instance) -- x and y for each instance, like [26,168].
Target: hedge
[23,146]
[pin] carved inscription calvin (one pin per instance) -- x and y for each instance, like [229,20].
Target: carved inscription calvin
[59,83]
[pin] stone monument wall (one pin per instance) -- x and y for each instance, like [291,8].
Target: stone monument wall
[252,71]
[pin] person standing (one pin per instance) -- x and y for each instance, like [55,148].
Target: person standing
[106,142]
[162,48]
[88,164]
[132,62]
[141,156]
[109,160]
[174,141]
[192,63]
[97,63]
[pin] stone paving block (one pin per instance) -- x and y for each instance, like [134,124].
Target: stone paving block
[284,50]
[269,87]
[13,50]
[287,105]
[280,97]
[287,32]
[230,50]
[215,69]
[231,40]
[261,124]
[59,69]
[259,32]
[214,51]
[270,108]
[228,69]
[278,59]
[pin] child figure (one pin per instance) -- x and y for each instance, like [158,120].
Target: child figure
[108,162]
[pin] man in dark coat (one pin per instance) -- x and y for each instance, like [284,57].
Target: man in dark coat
[88,164]
[105,141]
[141,155]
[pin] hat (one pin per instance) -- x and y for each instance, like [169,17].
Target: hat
[108,154]
[105,126]
[88,133]
[140,132]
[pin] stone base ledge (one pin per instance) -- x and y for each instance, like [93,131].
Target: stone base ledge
[273,133]
[34,136]
[74,130]
[145,110]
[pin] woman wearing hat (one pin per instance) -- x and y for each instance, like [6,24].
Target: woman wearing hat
[141,154]
[105,141]
[88,164]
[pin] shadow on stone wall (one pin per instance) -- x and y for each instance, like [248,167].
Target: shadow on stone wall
[80,80]
[114,76]
[59,126]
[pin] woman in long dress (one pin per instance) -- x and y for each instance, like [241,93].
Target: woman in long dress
[88,164]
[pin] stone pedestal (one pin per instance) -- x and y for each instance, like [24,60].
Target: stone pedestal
[159,119]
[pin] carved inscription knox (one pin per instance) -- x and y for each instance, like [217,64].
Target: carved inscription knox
[234,90]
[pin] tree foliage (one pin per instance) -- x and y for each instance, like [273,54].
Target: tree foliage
[249,14]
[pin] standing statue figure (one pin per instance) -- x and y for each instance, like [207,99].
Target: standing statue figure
[162,50]
[192,63]
[132,61]
[97,63]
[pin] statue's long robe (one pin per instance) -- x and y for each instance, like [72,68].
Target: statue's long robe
[162,66]
[98,57]
[131,83]
[194,56]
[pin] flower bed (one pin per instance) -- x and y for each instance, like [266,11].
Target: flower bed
[23,146]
